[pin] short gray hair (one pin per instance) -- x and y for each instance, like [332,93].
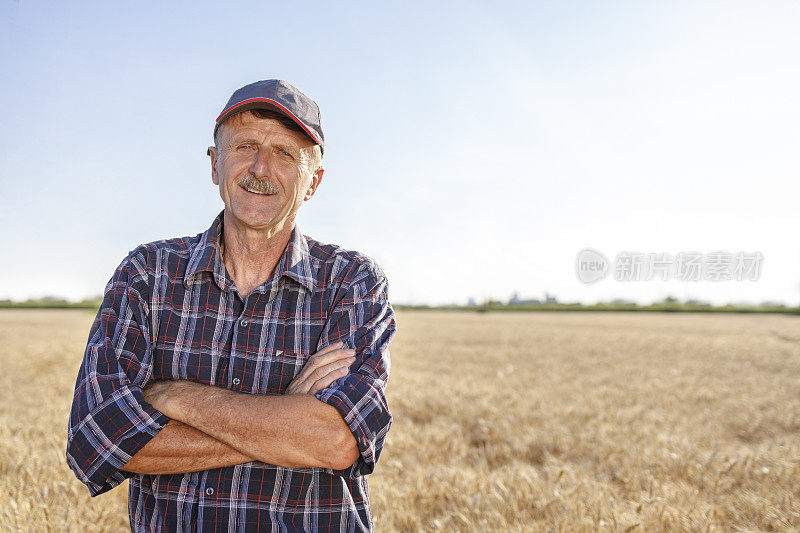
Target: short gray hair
[312,159]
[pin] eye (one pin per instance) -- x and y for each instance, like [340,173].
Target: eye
[246,147]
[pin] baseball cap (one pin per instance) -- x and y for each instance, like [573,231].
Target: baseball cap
[280,96]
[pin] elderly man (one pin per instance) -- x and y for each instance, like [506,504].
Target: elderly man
[237,377]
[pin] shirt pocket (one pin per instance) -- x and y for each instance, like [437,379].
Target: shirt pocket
[184,349]
[275,369]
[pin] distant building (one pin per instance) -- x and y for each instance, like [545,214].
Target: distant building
[516,300]
[622,301]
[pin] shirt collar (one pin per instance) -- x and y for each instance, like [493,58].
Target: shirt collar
[295,262]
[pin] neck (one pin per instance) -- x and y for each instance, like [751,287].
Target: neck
[250,255]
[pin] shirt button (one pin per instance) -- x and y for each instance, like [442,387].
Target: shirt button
[244,322]
[236,381]
[209,491]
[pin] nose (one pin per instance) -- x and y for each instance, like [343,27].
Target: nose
[260,166]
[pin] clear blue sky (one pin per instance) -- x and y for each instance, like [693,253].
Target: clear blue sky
[472,148]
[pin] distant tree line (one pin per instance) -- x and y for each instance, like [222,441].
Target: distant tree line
[669,304]
[52,302]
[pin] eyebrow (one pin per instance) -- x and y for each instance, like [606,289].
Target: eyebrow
[287,148]
[246,140]
[295,151]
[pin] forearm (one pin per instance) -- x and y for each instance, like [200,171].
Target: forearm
[293,431]
[179,448]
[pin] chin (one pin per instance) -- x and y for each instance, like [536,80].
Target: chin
[253,217]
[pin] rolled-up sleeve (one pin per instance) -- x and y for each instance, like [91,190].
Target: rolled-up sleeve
[110,421]
[364,321]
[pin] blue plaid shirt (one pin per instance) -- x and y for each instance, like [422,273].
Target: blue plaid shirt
[170,311]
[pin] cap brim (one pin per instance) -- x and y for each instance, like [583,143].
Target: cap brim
[264,103]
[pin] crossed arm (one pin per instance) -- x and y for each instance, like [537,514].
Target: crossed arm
[211,427]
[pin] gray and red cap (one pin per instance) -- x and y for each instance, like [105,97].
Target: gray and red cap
[280,96]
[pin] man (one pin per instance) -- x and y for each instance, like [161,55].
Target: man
[237,377]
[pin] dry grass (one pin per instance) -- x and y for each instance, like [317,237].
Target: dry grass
[538,421]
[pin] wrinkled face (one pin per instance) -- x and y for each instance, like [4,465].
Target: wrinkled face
[262,172]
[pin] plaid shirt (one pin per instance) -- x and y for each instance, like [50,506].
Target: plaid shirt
[171,311]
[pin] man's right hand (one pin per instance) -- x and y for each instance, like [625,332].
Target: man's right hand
[322,369]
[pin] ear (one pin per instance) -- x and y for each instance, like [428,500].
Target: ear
[212,151]
[316,179]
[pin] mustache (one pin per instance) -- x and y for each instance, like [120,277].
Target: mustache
[250,181]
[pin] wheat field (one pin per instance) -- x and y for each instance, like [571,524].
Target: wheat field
[503,422]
